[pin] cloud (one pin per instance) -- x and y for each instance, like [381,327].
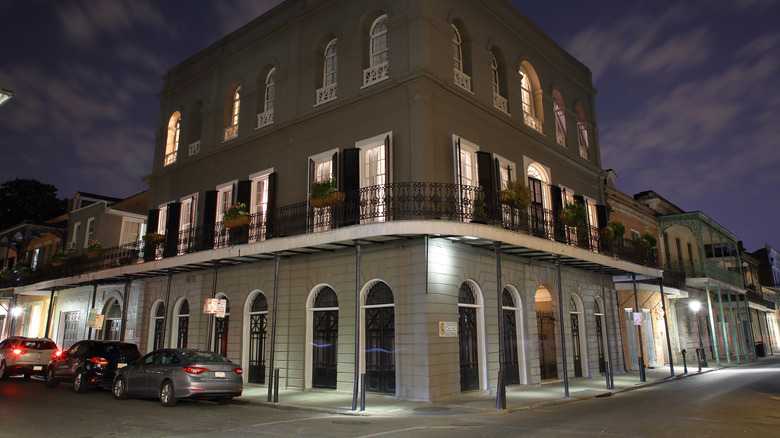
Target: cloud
[85,23]
[240,13]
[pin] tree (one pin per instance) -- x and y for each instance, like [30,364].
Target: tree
[28,199]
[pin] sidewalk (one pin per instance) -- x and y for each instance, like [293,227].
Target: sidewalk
[547,394]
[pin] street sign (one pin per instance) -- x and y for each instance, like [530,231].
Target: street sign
[448,329]
[215,306]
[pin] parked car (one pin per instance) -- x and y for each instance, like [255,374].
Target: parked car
[171,374]
[90,364]
[25,356]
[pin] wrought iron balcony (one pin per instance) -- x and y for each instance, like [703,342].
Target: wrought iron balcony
[387,202]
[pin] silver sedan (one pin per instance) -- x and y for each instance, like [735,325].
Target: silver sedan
[171,374]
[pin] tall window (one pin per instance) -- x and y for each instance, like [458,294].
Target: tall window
[329,74]
[74,240]
[582,133]
[526,93]
[224,200]
[374,169]
[499,101]
[378,53]
[183,324]
[466,162]
[258,207]
[172,140]
[187,216]
[460,77]
[231,131]
[560,118]
[90,231]
[267,116]
[131,232]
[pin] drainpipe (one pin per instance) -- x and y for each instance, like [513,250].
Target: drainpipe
[501,384]
[277,257]
[357,328]
[51,310]
[563,331]
[641,358]
[713,338]
[666,325]
[723,325]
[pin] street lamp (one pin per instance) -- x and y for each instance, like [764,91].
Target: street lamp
[5,95]
[695,306]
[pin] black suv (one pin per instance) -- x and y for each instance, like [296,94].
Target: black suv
[90,364]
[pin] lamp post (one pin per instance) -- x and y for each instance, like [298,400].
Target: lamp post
[695,306]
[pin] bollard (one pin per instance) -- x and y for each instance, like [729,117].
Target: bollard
[276,385]
[363,392]
[685,364]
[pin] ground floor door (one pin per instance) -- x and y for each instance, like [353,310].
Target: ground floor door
[600,344]
[511,361]
[548,362]
[575,344]
[469,355]
[257,332]
[380,350]
[324,349]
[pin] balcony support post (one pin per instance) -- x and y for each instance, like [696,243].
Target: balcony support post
[713,338]
[271,380]
[167,302]
[744,336]
[501,383]
[666,325]
[641,359]
[734,332]
[562,328]
[723,325]
[211,317]
[125,294]
[91,306]
[49,313]
[750,327]
[609,376]
[356,377]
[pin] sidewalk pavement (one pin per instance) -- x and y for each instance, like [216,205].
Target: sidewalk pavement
[338,402]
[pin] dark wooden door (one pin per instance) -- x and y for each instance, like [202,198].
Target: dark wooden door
[548,362]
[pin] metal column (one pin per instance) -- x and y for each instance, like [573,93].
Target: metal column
[641,358]
[501,384]
[563,331]
[666,324]
[51,310]
[610,381]
[92,306]
[124,309]
[733,327]
[356,386]
[271,380]
[167,308]
[211,317]
[723,325]
[713,338]
[750,327]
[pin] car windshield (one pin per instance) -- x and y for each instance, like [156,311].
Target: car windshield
[38,345]
[204,357]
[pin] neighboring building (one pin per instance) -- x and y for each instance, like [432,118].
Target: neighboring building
[420,113]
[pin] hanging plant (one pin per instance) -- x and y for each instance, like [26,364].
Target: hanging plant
[572,215]
[516,195]
[614,230]
[646,241]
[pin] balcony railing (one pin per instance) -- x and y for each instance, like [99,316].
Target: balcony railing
[387,202]
[194,148]
[531,121]
[170,158]
[230,133]
[560,137]
[326,94]
[265,118]
[376,73]
[500,102]
[462,79]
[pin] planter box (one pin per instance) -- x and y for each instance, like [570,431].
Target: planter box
[237,222]
[332,199]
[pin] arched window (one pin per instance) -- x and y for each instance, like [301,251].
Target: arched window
[499,94]
[582,133]
[258,323]
[158,322]
[539,185]
[183,324]
[231,131]
[527,94]
[172,139]
[329,74]
[378,53]
[461,77]
[325,335]
[576,340]
[113,324]
[267,116]
[512,332]
[560,118]
[379,343]
[469,329]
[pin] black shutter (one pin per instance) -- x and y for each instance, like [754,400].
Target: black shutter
[151,221]
[334,168]
[485,171]
[311,176]
[172,229]
[270,215]
[209,218]
[458,170]
[601,213]
[387,159]
[244,192]
[351,184]
[580,199]
[557,199]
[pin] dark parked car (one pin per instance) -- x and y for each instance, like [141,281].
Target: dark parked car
[25,356]
[172,374]
[90,364]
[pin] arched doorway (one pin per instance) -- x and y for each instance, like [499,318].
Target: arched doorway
[510,305]
[325,334]
[379,316]
[182,321]
[469,307]
[156,326]
[113,324]
[576,351]
[598,317]
[258,323]
[545,323]
[221,329]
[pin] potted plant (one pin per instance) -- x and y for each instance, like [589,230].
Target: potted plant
[646,241]
[572,215]
[154,238]
[478,214]
[325,194]
[516,195]
[94,250]
[21,269]
[614,231]
[6,273]
[236,216]
[59,258]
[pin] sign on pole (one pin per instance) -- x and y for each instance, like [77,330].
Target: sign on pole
[637,318]
[215,306]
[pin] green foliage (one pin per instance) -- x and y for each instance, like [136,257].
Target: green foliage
[321,189]
[236,211]
[615,230]
[518,193]
[573,214]
[28,199]
[60,255]
[647,241]
[94,246]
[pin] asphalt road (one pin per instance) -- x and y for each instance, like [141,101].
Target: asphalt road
[738,401]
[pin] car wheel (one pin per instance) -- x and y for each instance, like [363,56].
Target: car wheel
[120,389]
[48,379]
[79,384]
[166,394]
[224,400]
[26,376]
[3,371]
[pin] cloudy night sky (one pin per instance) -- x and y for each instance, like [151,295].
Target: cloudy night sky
[688,96]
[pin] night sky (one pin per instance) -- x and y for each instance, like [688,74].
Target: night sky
[688,101]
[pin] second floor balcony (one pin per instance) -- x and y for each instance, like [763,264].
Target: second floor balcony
[433,202]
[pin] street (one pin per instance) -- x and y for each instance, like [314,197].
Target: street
[736,401]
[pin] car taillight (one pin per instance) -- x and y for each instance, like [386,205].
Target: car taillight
[194,370]
[18,351]
[99,360]
[58,353]
[238,371]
